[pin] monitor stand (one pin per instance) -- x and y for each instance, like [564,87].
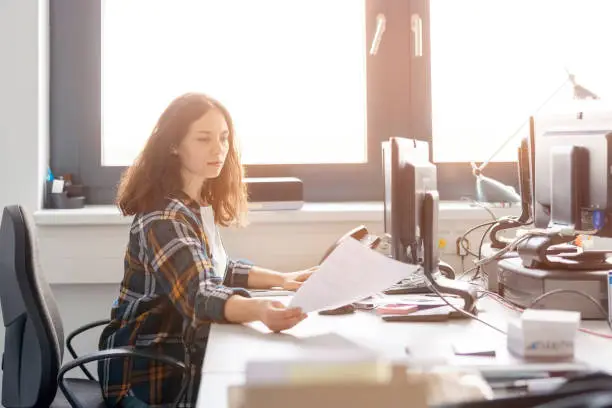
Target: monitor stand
[443,285]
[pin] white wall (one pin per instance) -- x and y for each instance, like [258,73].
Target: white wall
[23,100]
[23,103]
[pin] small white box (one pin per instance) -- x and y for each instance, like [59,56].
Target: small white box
[544,334]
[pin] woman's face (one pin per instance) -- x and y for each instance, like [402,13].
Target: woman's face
[203,150]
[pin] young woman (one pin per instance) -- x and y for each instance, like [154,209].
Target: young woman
[178,278]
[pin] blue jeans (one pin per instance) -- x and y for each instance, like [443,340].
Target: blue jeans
[132,402]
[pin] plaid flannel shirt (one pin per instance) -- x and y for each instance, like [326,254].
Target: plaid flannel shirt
[169,295]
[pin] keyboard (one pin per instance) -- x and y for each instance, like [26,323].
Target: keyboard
[415,284]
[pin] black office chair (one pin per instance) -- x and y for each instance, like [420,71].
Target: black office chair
[34,337]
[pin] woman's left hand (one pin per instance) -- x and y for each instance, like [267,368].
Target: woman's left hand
[293,280]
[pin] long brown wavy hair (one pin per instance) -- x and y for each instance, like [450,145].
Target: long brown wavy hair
[155,173]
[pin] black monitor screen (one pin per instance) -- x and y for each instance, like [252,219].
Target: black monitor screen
[408,175]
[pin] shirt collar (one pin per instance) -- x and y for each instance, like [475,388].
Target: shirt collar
[186,199]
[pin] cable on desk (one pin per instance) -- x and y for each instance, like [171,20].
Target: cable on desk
[478,256]
[577,292]
[501,300]
[482,240]
[594,333]
[465,312]
[515,243]
[469,231]
[519,309]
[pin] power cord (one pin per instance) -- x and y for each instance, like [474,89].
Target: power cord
[515,243]
[577,292]
[464,312]
[482,240]
[519,309]
[463,238]
[504,302]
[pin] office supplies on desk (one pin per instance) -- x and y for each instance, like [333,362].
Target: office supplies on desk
[430,300]
[544,334]
[427,314]
[350,273]
[414,284]
[342,310]
[421,316]
[396,309]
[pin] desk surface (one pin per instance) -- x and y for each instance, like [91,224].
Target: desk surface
[230,346]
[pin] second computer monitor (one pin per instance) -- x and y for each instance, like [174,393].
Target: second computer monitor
[572,174]
[408,175]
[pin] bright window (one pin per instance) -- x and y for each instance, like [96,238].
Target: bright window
[291,73]
[494,62]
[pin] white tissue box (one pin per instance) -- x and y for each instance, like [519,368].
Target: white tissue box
[544,333]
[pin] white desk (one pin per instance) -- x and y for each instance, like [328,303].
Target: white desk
[230,347]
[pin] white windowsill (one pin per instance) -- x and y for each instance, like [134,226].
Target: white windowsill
[360,212]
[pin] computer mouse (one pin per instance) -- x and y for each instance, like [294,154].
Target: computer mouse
[346,309]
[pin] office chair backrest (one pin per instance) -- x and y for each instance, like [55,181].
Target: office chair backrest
[34,336]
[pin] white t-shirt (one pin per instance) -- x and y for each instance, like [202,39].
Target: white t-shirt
[219,256]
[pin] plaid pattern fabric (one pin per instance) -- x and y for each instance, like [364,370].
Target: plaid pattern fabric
[168,297]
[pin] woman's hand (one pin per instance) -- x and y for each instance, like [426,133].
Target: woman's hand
[277,317]
[293,280]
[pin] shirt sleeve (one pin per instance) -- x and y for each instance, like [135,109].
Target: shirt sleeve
[184,271]
[237,273]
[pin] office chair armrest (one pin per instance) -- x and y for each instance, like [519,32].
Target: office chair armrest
[76,333]
[116,353]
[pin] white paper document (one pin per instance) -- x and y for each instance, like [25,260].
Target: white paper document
[350,273]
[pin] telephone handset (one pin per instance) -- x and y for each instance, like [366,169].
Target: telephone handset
[359,233]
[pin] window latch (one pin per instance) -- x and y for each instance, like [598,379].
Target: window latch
[381,23]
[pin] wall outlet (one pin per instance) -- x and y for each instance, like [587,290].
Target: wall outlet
[446,243]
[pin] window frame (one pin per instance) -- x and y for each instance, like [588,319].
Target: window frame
[455,179]
[397,90]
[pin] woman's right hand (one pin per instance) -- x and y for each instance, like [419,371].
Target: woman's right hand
[277,317]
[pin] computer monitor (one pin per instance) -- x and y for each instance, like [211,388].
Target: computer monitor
[524,175]
[408,175]
[572,170]
[411,213]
